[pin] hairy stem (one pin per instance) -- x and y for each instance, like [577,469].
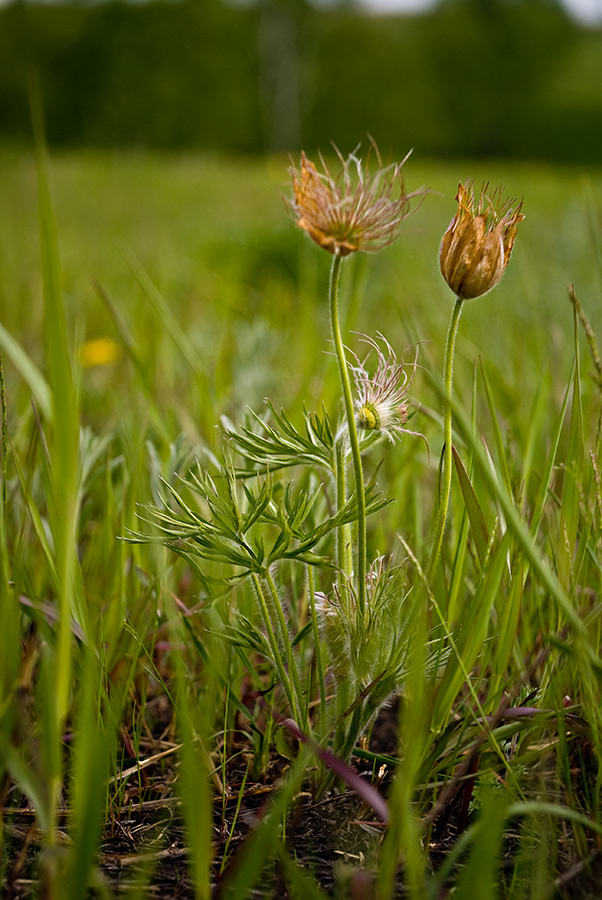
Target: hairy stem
[318,650]
[447,438]
[353,438]
[292,663]
[267,621]
[4,447]
[344,554]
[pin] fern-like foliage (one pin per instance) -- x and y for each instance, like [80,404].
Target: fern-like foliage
[279,444]
[222,518]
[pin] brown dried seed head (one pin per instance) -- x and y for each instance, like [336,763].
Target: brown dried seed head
[355,212]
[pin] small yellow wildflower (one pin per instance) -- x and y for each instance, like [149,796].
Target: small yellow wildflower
[99,352]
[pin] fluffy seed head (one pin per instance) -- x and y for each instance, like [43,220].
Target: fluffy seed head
[357,211]
[476,247]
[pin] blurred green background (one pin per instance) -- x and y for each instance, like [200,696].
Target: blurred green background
[170,125]
[471,78]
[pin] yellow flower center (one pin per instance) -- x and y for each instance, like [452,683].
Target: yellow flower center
[368,417]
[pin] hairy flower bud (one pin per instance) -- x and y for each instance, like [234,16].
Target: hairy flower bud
[476,247]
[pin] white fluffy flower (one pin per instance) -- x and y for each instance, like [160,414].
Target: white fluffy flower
[381,404]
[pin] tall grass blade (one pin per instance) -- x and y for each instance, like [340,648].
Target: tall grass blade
[63,499]
[261,844]
[166,317]
[536,422]
[480,532]
[196,719]
[475,619]
[404,836]
[30,782]
[28,371]
[196,798]
[299,883]
[479,876]
[9,609]
[497,434]
[92,754]
[458,571]
[508,612]
[573,476]
[523,536]
[548,471]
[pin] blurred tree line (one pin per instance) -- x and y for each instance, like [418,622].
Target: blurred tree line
[474,77]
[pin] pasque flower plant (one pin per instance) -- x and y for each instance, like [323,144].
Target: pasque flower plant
[227,519]
[252,521]
[474,253]
[357,211]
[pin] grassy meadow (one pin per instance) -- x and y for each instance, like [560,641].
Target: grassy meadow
[146,743]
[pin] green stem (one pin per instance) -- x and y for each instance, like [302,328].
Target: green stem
[344,554]
[4,456]
[318,648]
[447,437]
[341,704]
[292,664]
[353,732]
[267,621]
[353,438]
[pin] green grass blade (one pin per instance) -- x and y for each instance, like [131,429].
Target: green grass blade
[28,371]
[525,539]
[9,609]
[536,422]
[455,598]
[508,611]
[457,575]
[196,719]
[555,810]
[261,844]
[92,755]
[475,618]
[64,491]
[497,434]
[404,836]
[29,781]
[546,478]
[197,802]
[572,478]
[299,882]
[478,525]
[166,316]
[479,876]
[65,418]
